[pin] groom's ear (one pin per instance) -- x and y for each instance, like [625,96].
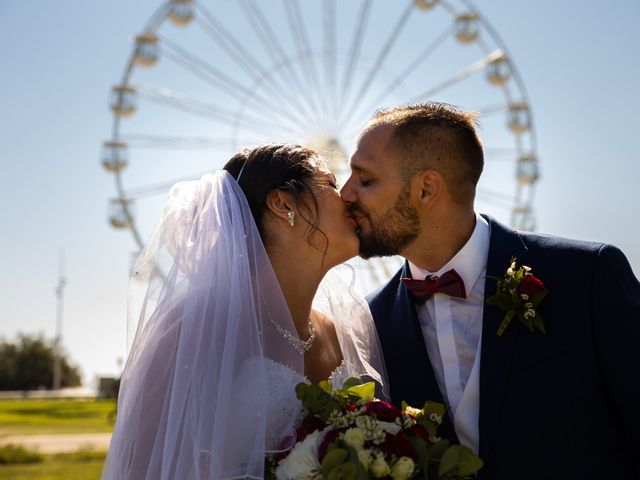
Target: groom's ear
[430,186]
[279,204]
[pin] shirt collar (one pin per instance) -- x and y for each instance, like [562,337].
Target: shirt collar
[469,262]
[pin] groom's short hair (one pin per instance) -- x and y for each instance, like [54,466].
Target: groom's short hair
[437,136]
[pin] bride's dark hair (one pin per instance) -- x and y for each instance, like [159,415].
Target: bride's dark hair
[287,167]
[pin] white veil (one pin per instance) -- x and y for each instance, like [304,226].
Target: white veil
[204,294]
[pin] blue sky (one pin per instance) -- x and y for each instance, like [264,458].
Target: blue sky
[578,60]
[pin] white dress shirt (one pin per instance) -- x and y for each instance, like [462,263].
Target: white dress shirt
[452,329]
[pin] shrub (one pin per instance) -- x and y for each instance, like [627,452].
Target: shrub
[27,364]
[11,453]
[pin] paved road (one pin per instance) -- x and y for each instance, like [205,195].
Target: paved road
[60,443]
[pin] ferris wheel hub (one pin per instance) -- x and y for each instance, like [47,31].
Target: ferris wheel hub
[332,151]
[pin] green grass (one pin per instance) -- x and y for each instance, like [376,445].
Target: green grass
[81,465]
[34,416]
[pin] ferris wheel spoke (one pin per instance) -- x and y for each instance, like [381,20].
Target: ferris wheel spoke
[270,41]
[177,142]
[169,98]
[236,52]
[161,187]
[329,21]
[303,127]
[498,159]
[355,124]
[461,75]
[395,34]
[483,45]
[223,82]
[496,194]
[420,58]
[502,155]
[492,109]
[496,197]
[261,105]
[448,7]
[354,49]
[494,202]
[300,36]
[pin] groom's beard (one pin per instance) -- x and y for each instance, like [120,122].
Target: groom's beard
[395,230]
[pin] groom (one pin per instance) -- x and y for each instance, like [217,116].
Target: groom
[564,404]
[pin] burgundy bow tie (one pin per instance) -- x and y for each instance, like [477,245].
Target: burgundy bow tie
[450,283]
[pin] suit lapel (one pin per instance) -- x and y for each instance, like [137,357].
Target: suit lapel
[427,386]
[497,351]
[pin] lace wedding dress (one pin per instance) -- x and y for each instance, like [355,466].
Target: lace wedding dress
[281,403]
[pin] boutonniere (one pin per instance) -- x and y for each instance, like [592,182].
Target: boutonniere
[519,293]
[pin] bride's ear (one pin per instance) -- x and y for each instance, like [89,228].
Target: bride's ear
[279,204]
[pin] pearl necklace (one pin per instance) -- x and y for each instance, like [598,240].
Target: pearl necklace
[300,345]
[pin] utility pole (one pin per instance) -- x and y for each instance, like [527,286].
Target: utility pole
[57,355]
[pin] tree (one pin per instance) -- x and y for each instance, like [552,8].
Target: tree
[27,364]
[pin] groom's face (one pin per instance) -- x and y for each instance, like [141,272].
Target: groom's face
[378,197]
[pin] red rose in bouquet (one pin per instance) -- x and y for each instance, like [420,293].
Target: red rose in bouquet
[399,445]
[383,411]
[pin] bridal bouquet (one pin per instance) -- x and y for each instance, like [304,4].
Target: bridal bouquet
[347,434]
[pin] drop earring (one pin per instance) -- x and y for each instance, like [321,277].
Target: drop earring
[292,218]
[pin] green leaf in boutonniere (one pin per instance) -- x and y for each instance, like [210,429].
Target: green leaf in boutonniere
[518,294]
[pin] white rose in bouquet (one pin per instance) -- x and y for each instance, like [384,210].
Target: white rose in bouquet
[355,438]
[365,457]
[302,462]
[402,469]
[379,467]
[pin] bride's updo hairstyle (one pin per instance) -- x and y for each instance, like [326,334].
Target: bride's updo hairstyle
[286,167]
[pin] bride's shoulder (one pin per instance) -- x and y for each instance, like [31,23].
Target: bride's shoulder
[321,319]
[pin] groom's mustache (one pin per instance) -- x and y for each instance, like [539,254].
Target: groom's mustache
[357,209]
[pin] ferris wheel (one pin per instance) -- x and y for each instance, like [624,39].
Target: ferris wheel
[207,78]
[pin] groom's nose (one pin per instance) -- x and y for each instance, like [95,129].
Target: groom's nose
[347,192]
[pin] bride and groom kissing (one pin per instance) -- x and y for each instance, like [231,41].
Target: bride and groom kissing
[528,339]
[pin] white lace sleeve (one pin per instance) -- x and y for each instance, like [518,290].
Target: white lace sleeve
[281,403]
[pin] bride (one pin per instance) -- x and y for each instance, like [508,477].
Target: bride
[235,305]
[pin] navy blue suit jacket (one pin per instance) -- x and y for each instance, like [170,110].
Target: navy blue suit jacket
[564,405]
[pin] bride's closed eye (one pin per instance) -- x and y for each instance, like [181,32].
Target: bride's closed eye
[331,182]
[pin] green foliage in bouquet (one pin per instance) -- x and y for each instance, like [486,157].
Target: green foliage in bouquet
[321,400]
[348,434]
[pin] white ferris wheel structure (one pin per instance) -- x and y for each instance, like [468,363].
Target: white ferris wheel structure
[207,78]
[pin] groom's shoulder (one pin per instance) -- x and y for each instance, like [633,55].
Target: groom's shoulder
[558,251]
[546,242]
[569,252]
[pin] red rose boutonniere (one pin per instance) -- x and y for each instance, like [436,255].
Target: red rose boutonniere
[519,293]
